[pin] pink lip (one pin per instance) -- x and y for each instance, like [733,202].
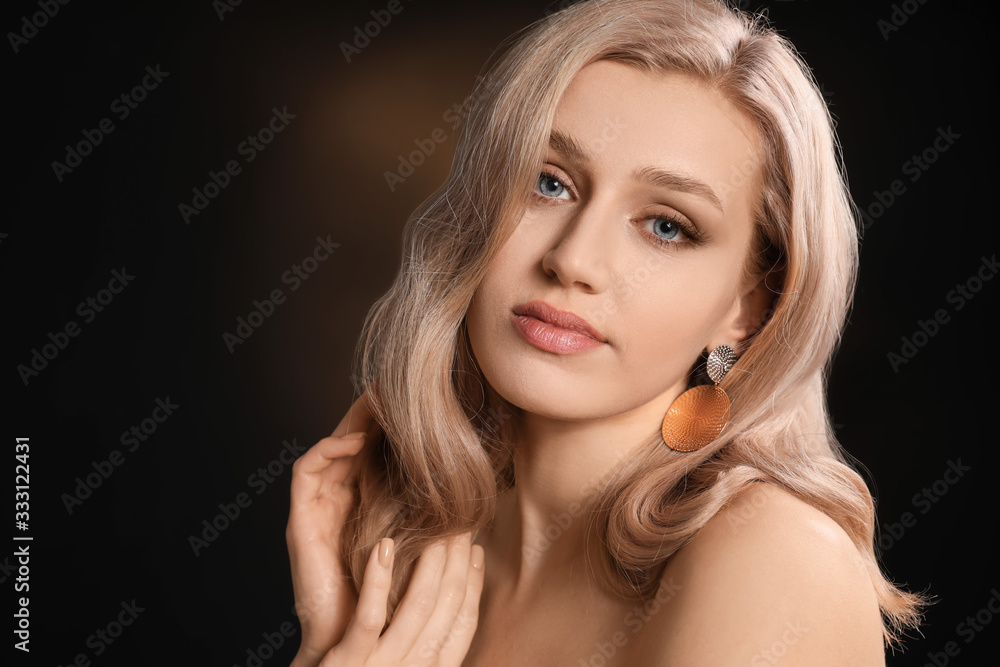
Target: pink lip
[554,330]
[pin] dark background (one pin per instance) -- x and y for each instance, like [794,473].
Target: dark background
[323,176]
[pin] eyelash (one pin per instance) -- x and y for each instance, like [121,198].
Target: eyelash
[692,234]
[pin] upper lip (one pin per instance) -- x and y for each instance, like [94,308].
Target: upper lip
[563,319]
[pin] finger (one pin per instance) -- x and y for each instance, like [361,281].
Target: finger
[369,618]
[418,602]
[329,450]
[358,418]
[454,584]
[456,647]
[329,461]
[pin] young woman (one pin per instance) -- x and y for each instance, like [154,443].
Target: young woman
[593,427]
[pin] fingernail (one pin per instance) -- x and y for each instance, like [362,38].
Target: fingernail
[385,551]
[478,556]
[357,435]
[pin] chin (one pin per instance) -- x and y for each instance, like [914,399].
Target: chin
[552,400]
[570,388]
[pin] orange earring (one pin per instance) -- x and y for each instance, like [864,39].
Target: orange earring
[698,415]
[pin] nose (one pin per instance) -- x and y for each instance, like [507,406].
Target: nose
[583,251]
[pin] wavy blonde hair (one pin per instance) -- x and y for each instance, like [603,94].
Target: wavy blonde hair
[446,447]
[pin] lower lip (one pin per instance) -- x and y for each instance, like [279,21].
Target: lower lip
[550,338]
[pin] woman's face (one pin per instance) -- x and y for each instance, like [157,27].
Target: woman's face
[639,225]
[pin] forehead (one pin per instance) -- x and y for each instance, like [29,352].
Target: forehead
[626,118]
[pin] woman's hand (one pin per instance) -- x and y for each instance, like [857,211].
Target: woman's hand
[323,494]
[436,619]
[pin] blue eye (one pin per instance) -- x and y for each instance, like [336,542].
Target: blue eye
[666,229]
[550,186]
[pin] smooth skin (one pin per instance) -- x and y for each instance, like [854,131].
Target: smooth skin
[770,579]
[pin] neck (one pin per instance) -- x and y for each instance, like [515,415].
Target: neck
[539,534]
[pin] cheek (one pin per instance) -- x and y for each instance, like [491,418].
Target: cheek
[665,316]
[490,308]
[509,273]
[492,345]
[662,298]
[481,319]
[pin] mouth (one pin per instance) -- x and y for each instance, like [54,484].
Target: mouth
[554,330]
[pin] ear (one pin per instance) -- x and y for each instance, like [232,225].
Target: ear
[749,312]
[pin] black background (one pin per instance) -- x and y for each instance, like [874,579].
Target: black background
[323,176]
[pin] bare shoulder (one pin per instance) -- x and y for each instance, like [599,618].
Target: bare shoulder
[769,578]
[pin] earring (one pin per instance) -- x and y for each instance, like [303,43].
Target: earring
[698,415]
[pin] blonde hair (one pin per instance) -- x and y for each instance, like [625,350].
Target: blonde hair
[446,449]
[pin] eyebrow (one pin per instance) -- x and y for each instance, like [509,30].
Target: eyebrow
[567,146]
